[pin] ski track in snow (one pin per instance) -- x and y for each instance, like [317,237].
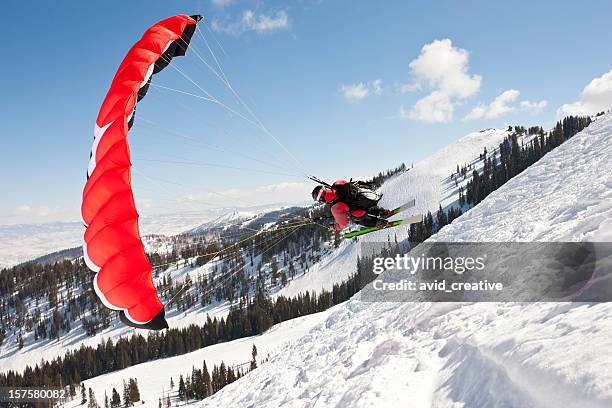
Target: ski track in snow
[468,355]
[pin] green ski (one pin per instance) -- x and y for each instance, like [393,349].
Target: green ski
[406,221]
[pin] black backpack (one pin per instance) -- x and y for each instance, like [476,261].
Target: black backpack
[356,194]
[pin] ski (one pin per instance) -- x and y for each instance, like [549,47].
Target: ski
[403,207]
[406,221]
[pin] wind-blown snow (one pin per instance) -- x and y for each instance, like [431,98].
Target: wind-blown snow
[468,355]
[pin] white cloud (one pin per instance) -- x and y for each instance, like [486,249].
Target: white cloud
[22,209]
[25,209]
[267,194]
[282,187]
[478,112]
[408,87]
[500,106]
[534,107]
[503,104]
[360,91]
[377,86]
[444,69]
[250,21]
[263,23]
[356,92]
[210,197]
[594,98]
[145,203]
[435,107]
[28,214]
[220,4]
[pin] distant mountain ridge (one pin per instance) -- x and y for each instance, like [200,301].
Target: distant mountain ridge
[21,243]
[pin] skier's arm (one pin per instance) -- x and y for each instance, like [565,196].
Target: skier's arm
[340,212]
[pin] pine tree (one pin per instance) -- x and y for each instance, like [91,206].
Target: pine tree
[182,391]
[441,217]
[134,392]
[92,400]
[83,395]
[208,389]
[126,395]
[106,404]
[254,357]
[222,375]
[231,376]
[188,388]
[115,399]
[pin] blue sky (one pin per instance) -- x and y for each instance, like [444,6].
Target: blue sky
[348,88]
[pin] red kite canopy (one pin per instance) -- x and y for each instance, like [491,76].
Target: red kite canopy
[112,246]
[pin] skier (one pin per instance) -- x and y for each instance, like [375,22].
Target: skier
[352,201]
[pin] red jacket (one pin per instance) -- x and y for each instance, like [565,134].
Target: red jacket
[341,210]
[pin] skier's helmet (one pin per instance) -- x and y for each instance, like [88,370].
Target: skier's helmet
[318,194]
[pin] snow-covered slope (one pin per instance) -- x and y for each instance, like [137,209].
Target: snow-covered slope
[237,217]
[566,196]
[154,377]
[468,355]
[428,182]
